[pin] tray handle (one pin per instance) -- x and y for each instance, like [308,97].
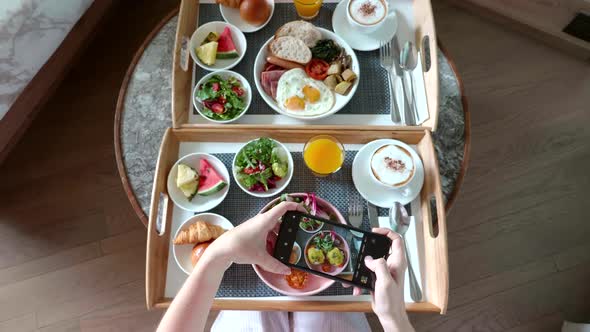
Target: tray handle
[160,216]
[181,63]
[435,239]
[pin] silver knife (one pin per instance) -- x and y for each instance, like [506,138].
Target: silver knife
[395,48]
[373,215]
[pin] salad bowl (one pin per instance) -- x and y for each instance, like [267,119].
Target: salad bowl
[263,179]
[225,75]
[314,284]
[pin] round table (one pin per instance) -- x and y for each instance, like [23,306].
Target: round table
[144,104]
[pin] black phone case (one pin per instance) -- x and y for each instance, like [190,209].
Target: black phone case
[373,244]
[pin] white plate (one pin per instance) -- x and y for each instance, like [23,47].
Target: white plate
[340,101]
[225,74]
[182,252]
[281,185]
[358,40]
[201,33]
[232,15]
[198,203]
[380,195]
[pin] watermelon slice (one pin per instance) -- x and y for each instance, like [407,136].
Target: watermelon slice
[210,181]
[225,45]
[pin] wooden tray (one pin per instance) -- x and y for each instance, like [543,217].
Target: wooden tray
[418,22]
[435,262]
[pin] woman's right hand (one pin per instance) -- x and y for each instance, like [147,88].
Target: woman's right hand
[388,299]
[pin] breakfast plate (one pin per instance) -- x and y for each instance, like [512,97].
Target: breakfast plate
[339,100]
[357,39]
[213,194]
[232,16]
[377,194]
[182,253]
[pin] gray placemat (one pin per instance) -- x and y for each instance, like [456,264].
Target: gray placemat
[238,206]
[372,95]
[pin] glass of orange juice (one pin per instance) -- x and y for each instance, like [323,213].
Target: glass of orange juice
[323,155]
[307,9]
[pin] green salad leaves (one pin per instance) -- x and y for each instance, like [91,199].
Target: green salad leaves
[260,164]
[222,99]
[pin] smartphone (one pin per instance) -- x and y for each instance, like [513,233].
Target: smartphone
[329,249]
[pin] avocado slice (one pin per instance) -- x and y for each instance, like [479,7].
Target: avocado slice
[207,53]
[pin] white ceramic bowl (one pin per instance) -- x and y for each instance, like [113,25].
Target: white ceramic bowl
[198,203]
[182,252]
[340,101]
[281,185]
[232,16]
[201,33]
[225,74]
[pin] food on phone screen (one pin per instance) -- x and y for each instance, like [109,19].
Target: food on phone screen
[255,12]
[328,250]
[198,232]
[297,278]
[315,255]
[198,251]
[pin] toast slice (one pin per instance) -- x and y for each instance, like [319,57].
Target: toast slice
[290,49]
[305,31]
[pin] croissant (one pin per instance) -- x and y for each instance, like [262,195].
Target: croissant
[229,3]
[199,232]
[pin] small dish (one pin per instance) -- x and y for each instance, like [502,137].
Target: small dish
[280,185]
[298,251]
[182,253]
[225,74]
[198,203]
[314,230]
[358,40]
[380,195]
[217,26]
[232,16]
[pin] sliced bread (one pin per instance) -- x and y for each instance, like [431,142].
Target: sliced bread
[302,30]
[290,49]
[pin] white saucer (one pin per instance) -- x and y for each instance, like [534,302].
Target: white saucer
[358,40]
[232,16]
[379,195]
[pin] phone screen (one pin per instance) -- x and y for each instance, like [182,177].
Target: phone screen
[329,249]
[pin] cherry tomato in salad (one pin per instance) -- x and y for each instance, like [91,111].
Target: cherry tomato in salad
[238,91]
[317,69]
[217,108]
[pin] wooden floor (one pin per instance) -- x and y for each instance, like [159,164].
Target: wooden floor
[72,250]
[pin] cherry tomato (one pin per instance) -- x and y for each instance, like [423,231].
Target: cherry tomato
[217,108]
[238,91]
[317,69]
[215,86]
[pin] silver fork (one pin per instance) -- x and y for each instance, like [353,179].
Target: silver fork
[386,61]
[355,211]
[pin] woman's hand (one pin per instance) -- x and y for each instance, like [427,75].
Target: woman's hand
[388,299]
[246,244]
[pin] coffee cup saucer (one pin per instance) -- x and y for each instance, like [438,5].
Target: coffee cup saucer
[377,194]
[358,40]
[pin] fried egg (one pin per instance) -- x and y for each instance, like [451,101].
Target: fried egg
[301,95]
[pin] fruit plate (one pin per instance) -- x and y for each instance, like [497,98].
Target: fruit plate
[241,288]
[208,199]
[340,100]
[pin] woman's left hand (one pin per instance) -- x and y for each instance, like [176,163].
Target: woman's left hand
[246,244]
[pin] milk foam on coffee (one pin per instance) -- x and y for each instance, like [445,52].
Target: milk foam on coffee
[392,165]
[367,12]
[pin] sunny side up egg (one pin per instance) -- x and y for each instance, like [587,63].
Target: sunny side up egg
[300,95]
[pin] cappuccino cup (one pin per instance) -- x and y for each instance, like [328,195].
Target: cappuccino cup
[392,166]
[367,15]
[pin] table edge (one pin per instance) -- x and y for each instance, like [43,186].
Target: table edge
[123,92]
